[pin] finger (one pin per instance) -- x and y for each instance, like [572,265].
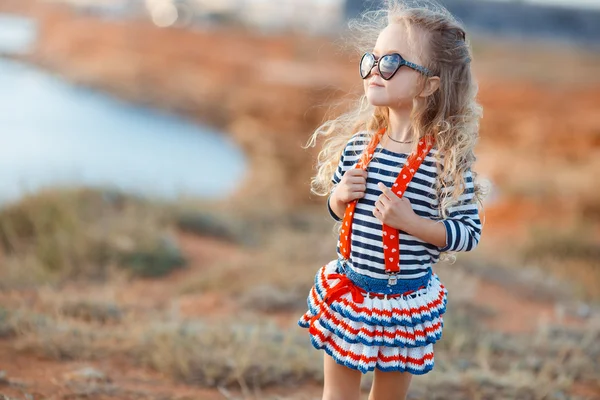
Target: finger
[380,208]
[358,187]
[359,175]
[358,172]
[357,179]
[384,201]
[386,191]
[377,214]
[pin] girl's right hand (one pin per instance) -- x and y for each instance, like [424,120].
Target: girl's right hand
[352,186]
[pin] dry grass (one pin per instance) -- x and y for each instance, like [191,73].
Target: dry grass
[571,253]
[66,234]
[292,248]
[242,352]
[233,353]
[62,339]
[250,353]
[103,313]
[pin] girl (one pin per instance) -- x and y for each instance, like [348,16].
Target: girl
[405,192]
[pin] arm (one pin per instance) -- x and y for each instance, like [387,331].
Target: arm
[430,231]
[349,183]
[460,231]
[336,207]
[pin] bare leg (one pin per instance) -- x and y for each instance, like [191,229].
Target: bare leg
[341,382]
[391,385]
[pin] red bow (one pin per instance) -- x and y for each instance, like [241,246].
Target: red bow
[345,285]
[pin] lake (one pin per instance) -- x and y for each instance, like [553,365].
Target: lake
[54,133]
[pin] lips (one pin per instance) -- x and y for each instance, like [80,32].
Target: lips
[375,84]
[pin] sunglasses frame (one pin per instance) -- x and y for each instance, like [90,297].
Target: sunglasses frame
[402,62]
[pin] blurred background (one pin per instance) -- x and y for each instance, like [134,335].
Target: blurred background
[157,233]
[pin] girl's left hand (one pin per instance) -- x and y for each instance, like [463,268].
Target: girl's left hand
[392,210]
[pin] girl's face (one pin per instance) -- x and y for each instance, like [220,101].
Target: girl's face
[398,92]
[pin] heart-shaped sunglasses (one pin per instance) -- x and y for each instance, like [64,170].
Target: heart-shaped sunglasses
[387,65]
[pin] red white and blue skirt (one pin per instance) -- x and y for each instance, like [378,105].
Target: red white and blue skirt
[364,323]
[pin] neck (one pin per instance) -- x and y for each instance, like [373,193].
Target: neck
[399,126]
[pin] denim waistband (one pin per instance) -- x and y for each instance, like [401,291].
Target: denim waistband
[375,285]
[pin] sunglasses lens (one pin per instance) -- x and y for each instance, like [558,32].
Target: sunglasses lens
[388,65]
[366,64]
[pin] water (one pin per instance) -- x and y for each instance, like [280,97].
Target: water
[17,34]
[53,133]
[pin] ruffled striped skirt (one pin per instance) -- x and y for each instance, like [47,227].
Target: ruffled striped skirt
[364,324]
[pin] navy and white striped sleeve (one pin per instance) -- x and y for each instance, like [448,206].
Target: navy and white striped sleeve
[463,226]
[353,148]
[343,166]
[339,172]
[335,179]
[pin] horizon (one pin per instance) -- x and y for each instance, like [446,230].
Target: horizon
[586,4]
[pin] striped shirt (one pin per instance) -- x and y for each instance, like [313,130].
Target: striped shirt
[463,227]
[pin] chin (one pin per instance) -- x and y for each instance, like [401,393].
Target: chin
[378,101]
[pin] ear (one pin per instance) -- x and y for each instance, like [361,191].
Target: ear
[431,85]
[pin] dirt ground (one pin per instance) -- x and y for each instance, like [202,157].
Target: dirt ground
[32,369]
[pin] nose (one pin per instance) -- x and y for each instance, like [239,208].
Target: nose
[374,69]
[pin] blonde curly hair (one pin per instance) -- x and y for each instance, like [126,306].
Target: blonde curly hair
[451,114]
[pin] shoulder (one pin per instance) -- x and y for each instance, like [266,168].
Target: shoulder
[435,152]
[356,143]
[359,138]
[437,161]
